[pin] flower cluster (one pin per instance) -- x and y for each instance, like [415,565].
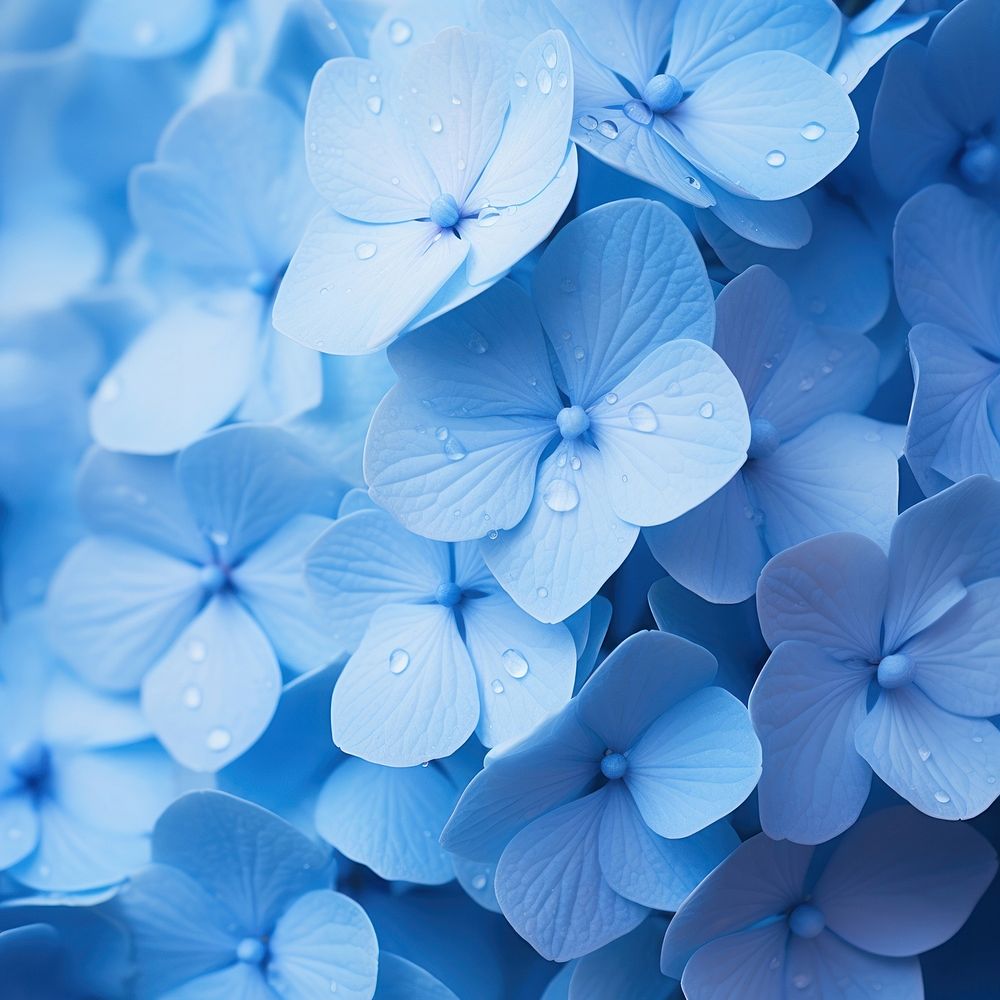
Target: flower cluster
[499,499]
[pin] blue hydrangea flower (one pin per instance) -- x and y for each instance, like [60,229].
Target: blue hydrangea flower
[439,180]
[725,105]
[191,586]
[778,919]
[808,448]
[440,649]
[237,903]
[553,427]
[623,788]
[937,117]
[947,252]
[227,200]
[883,664]
[81,780]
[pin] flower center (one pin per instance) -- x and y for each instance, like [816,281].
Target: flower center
[572,421]
[444,211]
[763,439]
[30,761]
[662,93]
[896,670]
[613,765]
[213,578]
[251,950]
[448,594]
[980,162]
[806,921]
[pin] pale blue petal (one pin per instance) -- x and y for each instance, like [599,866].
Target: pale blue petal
[408,694]
[958,656]
[784,224]
[184,374]
[551,766]
[570,540]
[239,981]
[642,679]
[806,707]
[366,560]
[19,823]
[144,29]
[671,433]
[407,24]
[476,878]
[271,583]
[628,967]
[708,37]
[622,279]
[215,690]
[940,547]
[115,607]
[357,147]
[649,869]
[900,883]
[332,297]
[525,670]
[323,944]
[944,764]
[748,964]
[742,121]
[861,47]
[247,858]
[829,591]
[550,885]
[389,819]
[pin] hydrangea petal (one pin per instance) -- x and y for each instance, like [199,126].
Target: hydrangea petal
[673,432]
[19,823]
[550,885]
[829,591]
[399,979]
[115,606]
[624,278]
[806,707]
[143,29]
[628,967]
[184,374]
[359,155]
[389,819]
[943,764]
[741,964]
[900,883]
[525,670]
[784,224]
[738,130]
[215,690]
[340,271]
[862,47]
[239,981]
[649,869]
[408,694]
[706,39]
[324,943]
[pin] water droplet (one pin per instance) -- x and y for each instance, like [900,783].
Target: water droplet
[587,122]
[453,450]
[374,104]
[638,111]
[561,496]
[479,882]
[477,343]
[642,418]
[827,369]
[873,436]
[435,123]
[775,963]
[460,163]
[977,739]
[549,55]
[399,660]
[807,383]
[365,251]
[441,433]
[923,753]
[707,410]
[611,398]
[562,79]
[624,478]
[520,80]
[942,797]
[842,79]
[776,158]
[674,389]
[109,390]
[395,181]
[196,650]
[514,663]
[372,78]
[544,81]
[494,535]
[695,183]
[218,739]
[333,986]
[575,463]
[608,129]
[456,100]
[488,217]
[579,353]
[813,131]
[400,32]
[801,981]
[192,696]
[497,687]
[542,592]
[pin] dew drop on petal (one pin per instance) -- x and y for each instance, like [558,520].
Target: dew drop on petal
[399,660]
[489,216]
[561,496]
[813,131]
[942,797]
[497,687]
[642,418]
[514,663]
[924,754]
[575,463]
[520,80]
[400,31]
[479,882]
[707,410]
[196,650]
[562,79]
[453,450]
[365,251]
[374,104]
[776,158]
[441,433]
[477,343]
[544,81]
[435,123]
[218,739]
[192,696]
[587,122]
[694,182]
[542,592]
[608,129]
[807,383]
[611,398]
